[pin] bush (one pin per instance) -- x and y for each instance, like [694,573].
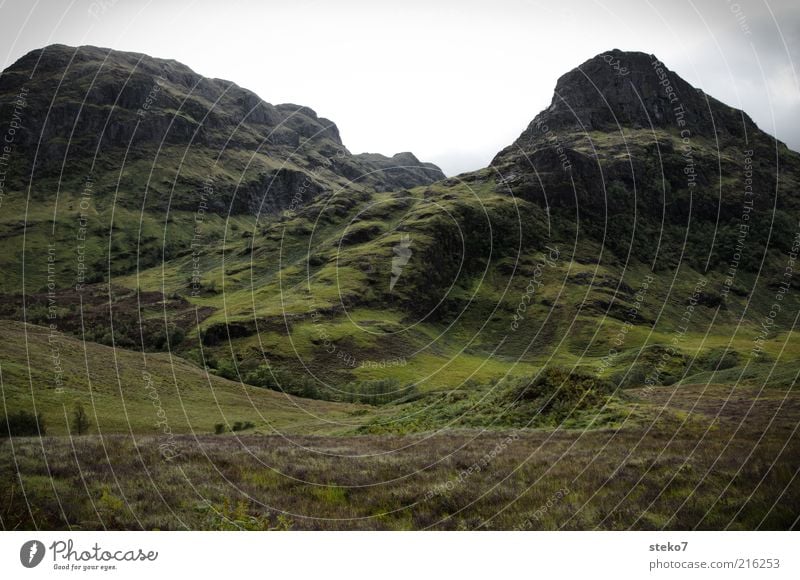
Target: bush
[22,423]
[557,393]
[80,421]
[219,428]
[176,337]
[379,392]
[373,392]
[719,359]
[226,370]
[281,380]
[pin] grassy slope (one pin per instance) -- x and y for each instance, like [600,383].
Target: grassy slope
[711,461]
[299,281]
[111,385]
[576,315]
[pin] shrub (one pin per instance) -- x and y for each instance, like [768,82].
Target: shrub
[176,337]
[281,380]
[243,425]
[219,428]
[379,392]
[226,370]
[372,392]
[22,423]
[719,359]
[229,516]
[557,393]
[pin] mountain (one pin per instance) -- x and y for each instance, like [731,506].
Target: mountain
[626,137]
[632,89]
[136,151]
[91,111]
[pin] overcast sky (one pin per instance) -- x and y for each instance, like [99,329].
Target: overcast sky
[453,81]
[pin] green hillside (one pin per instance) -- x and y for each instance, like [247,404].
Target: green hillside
[143,394]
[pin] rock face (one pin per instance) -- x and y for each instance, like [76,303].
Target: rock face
[630,151]
[92,110]
[633,90]
[403,168]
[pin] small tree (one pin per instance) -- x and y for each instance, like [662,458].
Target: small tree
[80,421]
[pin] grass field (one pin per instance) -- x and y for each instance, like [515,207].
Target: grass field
[142,393]
[717,449]
[714,458]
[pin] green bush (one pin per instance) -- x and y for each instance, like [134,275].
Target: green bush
[226,370]
[719,359]
[280,380]
[22,423]
[373,392]
[557,393]
[379,392]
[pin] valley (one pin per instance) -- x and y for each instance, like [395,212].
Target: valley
[267,331]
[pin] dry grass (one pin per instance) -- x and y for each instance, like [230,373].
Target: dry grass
[720,465]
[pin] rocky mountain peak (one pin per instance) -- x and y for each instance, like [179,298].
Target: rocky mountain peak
[625,136]
[91,110]
[619,89]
